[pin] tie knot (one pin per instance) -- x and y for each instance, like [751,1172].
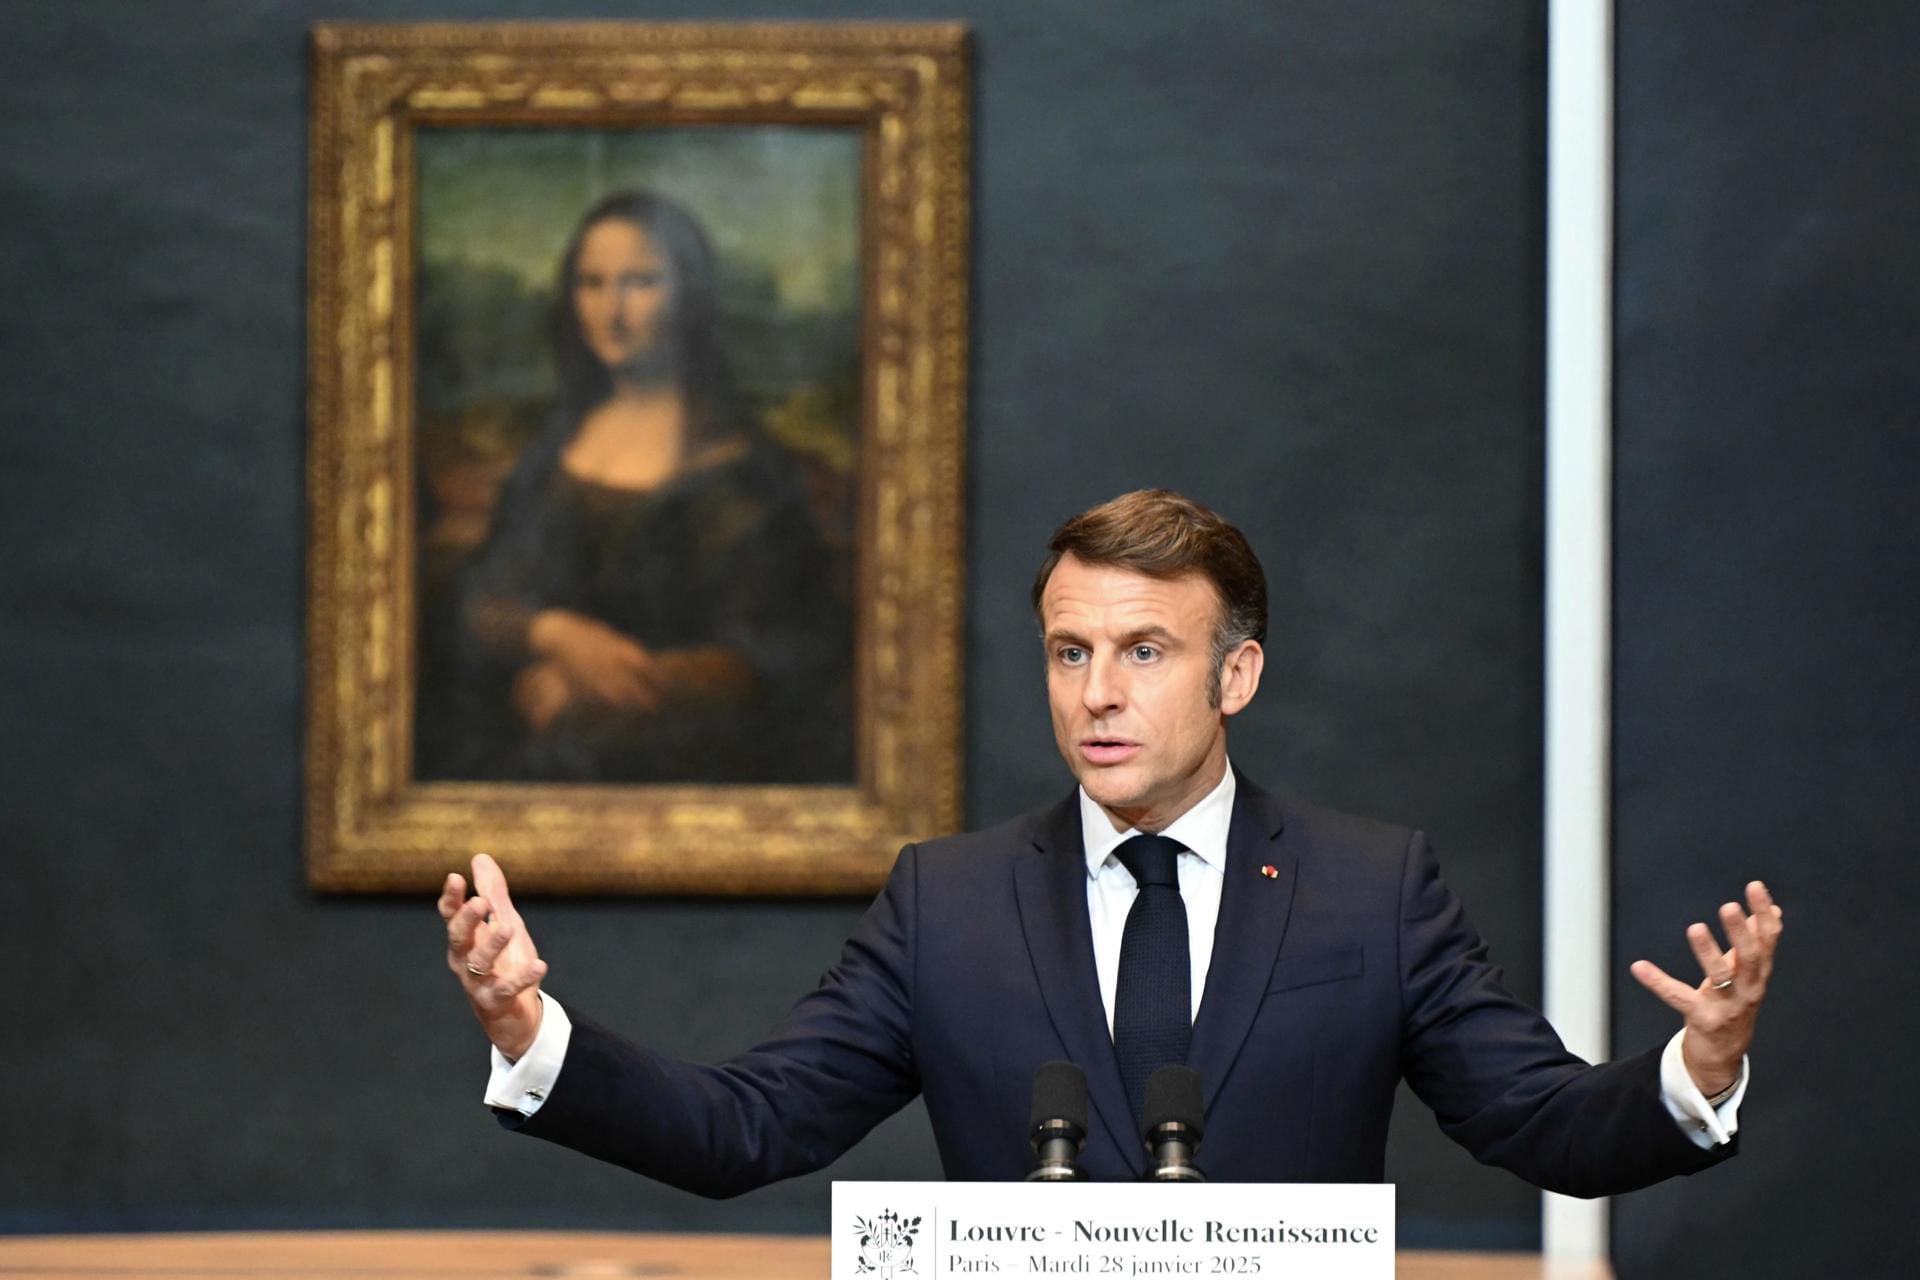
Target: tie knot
[1152,860]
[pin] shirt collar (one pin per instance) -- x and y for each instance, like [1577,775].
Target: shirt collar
[1202,829]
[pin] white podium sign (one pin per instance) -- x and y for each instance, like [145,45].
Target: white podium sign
[1115,1230]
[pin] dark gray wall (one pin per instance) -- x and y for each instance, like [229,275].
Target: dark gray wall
[1768,627]
[1284,257]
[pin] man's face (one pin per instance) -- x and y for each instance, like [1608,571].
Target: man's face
[1129,679]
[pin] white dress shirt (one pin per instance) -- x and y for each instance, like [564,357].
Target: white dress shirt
[522,1086]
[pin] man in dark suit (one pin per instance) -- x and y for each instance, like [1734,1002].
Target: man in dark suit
[1301,961]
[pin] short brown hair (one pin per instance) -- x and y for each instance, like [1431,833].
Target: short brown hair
[1158,533]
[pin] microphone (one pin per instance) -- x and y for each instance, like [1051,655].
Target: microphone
[1173,1122]
[1058,1125]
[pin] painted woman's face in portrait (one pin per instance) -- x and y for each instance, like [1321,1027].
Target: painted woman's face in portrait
[620,292]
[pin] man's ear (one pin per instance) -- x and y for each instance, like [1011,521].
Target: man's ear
[1240,676]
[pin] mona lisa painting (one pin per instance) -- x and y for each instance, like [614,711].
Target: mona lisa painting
[637,359]
[638,454]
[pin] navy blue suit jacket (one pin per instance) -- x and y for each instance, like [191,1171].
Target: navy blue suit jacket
[1350,968]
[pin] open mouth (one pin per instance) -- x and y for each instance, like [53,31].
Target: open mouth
[1107,750]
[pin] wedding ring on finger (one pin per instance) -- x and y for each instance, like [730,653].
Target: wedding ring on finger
[483,973]
[1718,986]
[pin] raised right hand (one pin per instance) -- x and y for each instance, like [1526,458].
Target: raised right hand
[490,952]
[600,663]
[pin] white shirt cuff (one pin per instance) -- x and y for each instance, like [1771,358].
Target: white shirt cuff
[524,1085]
[1707,1127]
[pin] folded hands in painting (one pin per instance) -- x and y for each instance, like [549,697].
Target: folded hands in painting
[584,666]
[581,661]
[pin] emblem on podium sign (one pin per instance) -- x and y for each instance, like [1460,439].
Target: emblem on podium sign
[886,1245]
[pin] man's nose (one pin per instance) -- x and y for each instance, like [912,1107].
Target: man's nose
[1105,690]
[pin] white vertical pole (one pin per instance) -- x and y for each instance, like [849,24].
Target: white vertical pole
[1578,586]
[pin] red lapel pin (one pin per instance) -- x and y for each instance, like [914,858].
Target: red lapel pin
[1270,872]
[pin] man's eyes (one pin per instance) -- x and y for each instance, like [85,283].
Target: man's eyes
[1073,655]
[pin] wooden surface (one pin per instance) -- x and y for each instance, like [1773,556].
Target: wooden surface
[479,1255]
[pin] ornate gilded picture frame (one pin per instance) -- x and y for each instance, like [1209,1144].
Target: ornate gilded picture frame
[637,391]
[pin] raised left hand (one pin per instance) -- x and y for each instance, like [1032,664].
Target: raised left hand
[1721,1011]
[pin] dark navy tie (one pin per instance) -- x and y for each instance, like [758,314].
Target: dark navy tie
[1153,998]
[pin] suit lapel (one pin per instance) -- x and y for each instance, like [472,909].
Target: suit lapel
[1254,908]
[1050,886]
